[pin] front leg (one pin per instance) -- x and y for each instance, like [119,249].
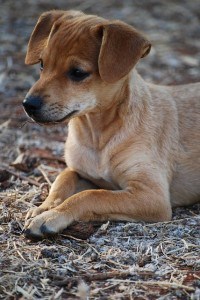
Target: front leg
[63,187]
[135,203]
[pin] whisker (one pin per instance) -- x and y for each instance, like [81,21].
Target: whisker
[24,123]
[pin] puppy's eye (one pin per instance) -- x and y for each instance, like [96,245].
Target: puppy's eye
[76,74]
[41,65]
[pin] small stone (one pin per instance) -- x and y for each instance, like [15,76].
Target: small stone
[190,61]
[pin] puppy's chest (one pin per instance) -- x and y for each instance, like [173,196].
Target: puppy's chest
[87,161]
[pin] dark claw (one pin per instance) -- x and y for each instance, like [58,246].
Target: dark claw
[44,229]
[30,235]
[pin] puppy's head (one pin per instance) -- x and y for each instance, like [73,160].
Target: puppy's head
[83,59]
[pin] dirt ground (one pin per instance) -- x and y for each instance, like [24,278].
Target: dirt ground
[90,261]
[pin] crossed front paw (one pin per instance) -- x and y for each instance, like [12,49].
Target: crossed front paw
[46,223]
[33,212]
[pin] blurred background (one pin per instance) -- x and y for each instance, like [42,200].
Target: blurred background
[172,26]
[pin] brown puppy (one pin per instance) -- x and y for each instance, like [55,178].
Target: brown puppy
[133,148]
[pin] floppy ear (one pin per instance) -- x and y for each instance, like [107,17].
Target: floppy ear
[40,35]
[122,46]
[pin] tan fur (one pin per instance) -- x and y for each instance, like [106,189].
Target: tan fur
[133,148]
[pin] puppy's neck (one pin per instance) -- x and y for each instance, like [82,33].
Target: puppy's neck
[131,96]
[128,99]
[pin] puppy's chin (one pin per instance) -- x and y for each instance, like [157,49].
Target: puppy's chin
[46,120]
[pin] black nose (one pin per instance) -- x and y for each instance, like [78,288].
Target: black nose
[32,103]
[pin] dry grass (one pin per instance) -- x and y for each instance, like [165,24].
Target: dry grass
[100,261]
[122,260]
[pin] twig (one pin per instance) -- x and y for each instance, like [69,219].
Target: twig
[163,284]
[94,277]
[29,180]
[83,241]
[44,175]
[73,238]
[19,252]
[44,154]
[169,284]
[196,276]
[172,221]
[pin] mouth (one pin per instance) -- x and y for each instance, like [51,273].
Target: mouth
[48,122]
